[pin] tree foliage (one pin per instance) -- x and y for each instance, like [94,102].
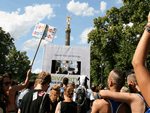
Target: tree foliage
[17,63]
[6,43]
[114,40]
[12,60]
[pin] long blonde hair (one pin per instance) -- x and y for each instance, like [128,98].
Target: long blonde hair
[55,93]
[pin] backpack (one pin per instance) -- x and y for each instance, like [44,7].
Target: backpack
[81,99]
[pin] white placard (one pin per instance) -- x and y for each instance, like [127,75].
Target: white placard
[39,30]
[50,33]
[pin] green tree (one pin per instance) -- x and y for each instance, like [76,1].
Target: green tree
[114,40]
[6,43]
[17,63]
[12,60]
[34,76]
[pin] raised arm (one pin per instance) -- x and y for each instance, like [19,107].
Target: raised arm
[20,87]
[117,96]
[139,59]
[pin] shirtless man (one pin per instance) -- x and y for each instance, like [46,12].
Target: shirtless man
[116,80]
[11,91]
[139,59]
[134,100]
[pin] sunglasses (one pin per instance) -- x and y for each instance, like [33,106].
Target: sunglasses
[6,83]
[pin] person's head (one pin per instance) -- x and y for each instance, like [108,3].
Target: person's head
[124,89]
[11,78]
[72,84]
[69,92]
[31,84]
[59,69]
[93,88]
[101,86]
[43,79]
[4,86]
[61,85]
[65,81]
[116,79]
[55,93]
[132,83]
[5,82]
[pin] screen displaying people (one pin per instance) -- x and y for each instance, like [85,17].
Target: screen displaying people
[66,67]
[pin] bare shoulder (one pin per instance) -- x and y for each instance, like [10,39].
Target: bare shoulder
[101,102]
[137,101]
[101,106]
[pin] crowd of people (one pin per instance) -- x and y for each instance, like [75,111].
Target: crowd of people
[32,97]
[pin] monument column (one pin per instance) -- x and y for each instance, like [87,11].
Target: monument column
[67,39]
[68,30]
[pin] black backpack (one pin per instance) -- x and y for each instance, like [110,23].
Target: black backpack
[82,100]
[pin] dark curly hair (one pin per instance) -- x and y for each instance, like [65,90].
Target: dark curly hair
[65,81]
[3,97]
[69,91]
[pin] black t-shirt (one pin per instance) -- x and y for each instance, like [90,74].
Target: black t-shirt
[2,107]
[55,104]
[68,107]
[32,100]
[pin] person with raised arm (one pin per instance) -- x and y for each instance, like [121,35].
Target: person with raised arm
[139,59]
[37,100]
[11,91]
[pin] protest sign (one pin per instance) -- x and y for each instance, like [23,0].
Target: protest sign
[39,30]
[49,33]
[43,31]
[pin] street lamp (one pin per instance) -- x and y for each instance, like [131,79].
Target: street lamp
[101,66]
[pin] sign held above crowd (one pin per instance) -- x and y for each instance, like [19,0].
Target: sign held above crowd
[45,32]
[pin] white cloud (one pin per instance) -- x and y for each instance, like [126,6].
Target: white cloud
[55,37]
[103,6]
[84,36]
[33,44]
[37,71]
[71,38]
[19,24]
[119,2]
[78,8]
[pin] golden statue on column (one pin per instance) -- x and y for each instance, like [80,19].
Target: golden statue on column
[68,19]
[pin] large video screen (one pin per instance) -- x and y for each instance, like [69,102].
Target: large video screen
[66,67]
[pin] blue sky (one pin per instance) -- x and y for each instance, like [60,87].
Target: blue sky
[19,18]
